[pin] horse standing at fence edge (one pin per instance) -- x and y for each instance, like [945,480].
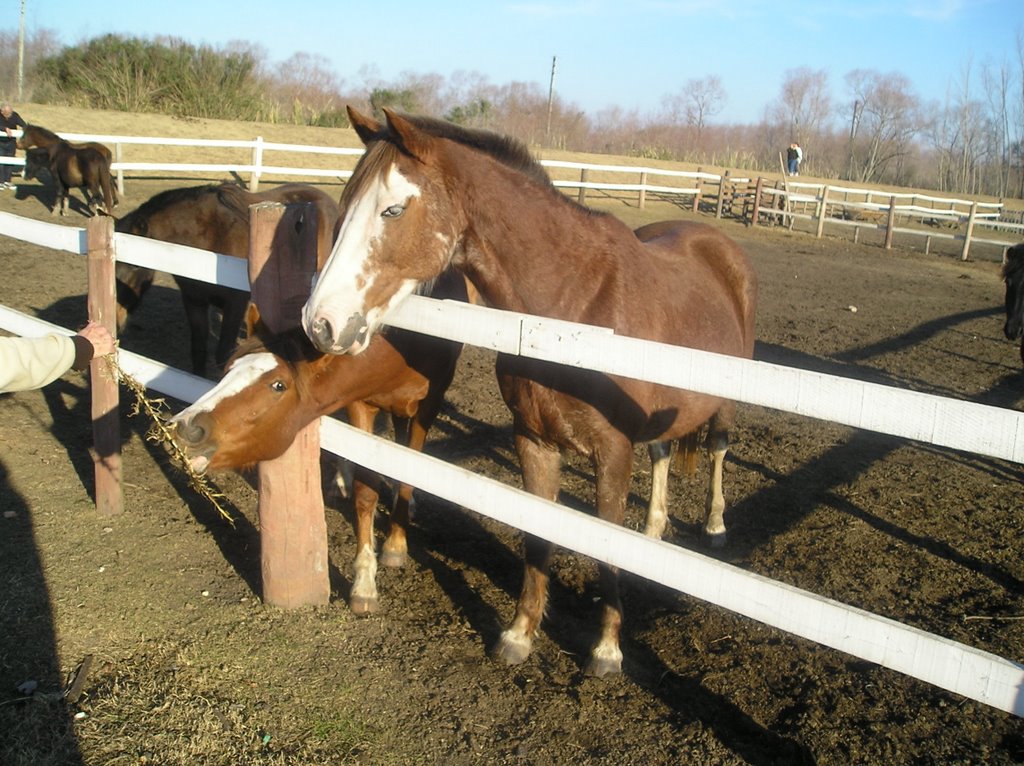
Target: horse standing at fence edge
[276,385]
[85,169]
[37,135]
[213,217]
[427,195]
[1013,275]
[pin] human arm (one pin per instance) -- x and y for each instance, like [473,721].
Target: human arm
[27,363]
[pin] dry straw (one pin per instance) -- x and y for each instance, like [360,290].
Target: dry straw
[162,432]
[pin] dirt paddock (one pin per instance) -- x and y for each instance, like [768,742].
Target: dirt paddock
[188,666]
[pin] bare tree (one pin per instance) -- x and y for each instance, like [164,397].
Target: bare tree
[885,120]
[804,103]
[305,89]
[696,102]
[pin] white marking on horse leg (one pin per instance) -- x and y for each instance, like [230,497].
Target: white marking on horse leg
[515,643]
[605,659]
[714,519]
[363,598]
[657,508]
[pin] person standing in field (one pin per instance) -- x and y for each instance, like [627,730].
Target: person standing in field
[10,121]
[793,158]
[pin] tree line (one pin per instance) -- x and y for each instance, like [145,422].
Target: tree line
[882,133]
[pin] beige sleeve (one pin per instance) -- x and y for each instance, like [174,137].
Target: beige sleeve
[27,363]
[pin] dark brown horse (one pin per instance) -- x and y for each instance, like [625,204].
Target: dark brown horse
[37,135]
[427,196]
[214,217]
[85,169]
[1013,275]
[275,385]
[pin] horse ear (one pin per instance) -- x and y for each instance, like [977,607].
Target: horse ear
[252,320]
[411,139]
[366,128]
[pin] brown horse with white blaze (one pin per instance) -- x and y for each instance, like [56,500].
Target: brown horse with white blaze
[275,385]
[428,195]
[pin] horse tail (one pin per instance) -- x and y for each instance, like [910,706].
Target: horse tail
[684,461]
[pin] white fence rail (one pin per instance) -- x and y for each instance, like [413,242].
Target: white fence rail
[944,663]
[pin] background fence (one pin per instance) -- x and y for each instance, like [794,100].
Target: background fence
[753,200]
[962,425]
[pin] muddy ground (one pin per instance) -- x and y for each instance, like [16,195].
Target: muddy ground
[188,666]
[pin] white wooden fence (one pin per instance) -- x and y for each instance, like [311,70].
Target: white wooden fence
[992,431]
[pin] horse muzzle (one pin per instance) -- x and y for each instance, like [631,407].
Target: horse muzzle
[351,339]
[193,436]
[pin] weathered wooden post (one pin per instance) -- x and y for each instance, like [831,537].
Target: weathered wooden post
[293,531]
[890,222]
[106,426]
[757,201]
[257,163]
[643,190]
[723,185]
[970,231]
[822,210]
[696,197]
[582,196]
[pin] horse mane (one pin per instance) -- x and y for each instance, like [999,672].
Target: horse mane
[292,346]
[235,199]
[46,132]
[140,215]
[506,150]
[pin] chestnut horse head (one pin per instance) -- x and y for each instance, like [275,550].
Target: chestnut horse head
[400,228]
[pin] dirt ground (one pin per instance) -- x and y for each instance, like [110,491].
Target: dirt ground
[188,666]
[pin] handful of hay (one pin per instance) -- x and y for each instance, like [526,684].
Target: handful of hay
[160,432]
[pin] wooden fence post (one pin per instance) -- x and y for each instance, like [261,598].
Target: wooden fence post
[970,231]
[757,201]
[723,185]
[106,426]
[890,222]
[293,531]
[120,173]
[582,196]
[696,197]
[643,190]
[257,163]
[822,211]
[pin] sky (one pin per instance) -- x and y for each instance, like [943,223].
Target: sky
[628,55]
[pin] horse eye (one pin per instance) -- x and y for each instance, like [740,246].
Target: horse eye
[278,386]
[393,212]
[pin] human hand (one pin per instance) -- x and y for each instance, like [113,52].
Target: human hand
[100,338]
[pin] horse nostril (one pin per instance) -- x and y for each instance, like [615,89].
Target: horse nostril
[321,334]
[191,431]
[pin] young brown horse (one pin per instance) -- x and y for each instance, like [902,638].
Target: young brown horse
[428,195]
[1013,275]
[275,385]
[214,217]
[38,136]
[70,168]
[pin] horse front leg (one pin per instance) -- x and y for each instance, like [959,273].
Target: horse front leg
[363,598]
[613,467]
[541,466]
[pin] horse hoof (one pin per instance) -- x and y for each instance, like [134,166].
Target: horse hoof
[599,667]
[511,650]
[394,559]
[363,606]
[716,540]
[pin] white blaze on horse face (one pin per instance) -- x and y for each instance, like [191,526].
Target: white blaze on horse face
[350,272]
[242,374]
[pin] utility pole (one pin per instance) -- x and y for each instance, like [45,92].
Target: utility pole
[21,50]
[551,99]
